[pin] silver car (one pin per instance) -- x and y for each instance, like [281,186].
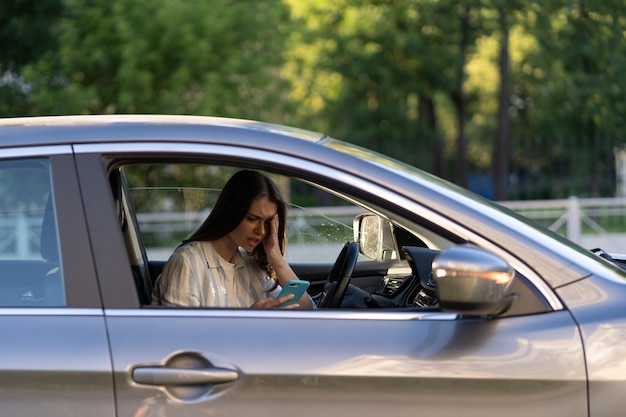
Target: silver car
[431,300]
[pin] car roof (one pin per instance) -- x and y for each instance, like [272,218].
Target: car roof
[54,130]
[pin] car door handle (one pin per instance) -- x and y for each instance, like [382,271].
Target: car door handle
[159,375]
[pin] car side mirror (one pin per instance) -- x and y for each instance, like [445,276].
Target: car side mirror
[470,280]
[374,235]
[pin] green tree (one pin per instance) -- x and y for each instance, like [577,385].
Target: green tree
[573,79]
[391,75]
[26,28]
[447,85]
[378,68]
[574,74]
[26,32]
[165,56]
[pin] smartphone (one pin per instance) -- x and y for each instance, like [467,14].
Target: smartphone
[296,287]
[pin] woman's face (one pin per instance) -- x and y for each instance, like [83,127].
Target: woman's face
[255,225]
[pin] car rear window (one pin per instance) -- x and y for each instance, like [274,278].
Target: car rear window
[30,268]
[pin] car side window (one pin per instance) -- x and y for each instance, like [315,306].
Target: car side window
[172,200]
[30,267]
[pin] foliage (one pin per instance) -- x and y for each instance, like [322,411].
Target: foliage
[373,62]
[26,33]
[164,56]
[422,80]
[573,75]
[398,76]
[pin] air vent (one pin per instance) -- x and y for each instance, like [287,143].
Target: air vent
[392,284]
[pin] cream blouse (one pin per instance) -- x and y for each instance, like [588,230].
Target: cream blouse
[195,277]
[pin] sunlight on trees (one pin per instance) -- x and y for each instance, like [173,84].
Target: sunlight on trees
[417,79]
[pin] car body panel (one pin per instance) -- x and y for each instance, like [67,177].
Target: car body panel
[16,132]
[528,365]
[55,363]
[603,329]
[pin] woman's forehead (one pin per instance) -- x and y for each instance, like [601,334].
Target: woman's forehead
[263,207]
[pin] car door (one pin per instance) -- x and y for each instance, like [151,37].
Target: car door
[54,355]
[357,362]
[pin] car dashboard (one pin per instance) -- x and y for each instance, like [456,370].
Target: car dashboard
[407,284]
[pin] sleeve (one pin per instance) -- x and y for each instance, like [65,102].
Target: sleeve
[178,284]
[274,293]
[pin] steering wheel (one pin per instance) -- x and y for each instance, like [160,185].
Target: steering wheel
[339,276]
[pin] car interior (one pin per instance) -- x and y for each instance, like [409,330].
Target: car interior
[396,274]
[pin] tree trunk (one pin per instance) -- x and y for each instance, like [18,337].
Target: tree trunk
[500,153]
[427,128]
[462,163]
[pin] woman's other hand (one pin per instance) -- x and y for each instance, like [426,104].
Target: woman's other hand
[275,302]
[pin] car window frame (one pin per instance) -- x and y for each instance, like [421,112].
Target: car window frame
[113,267]
[111,155]
[81,284]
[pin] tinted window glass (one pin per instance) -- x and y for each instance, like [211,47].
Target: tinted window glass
[30,269]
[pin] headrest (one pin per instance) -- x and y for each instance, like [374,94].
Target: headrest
[49,241]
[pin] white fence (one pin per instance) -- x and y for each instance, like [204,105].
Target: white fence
[20,237]
[572,218]
[577,219]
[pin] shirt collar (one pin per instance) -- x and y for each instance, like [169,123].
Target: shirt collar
[212,257]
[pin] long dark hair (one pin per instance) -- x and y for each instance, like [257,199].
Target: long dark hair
[232,207]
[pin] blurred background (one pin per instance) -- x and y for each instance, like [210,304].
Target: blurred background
[514,99]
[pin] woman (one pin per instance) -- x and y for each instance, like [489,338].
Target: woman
[236,257]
